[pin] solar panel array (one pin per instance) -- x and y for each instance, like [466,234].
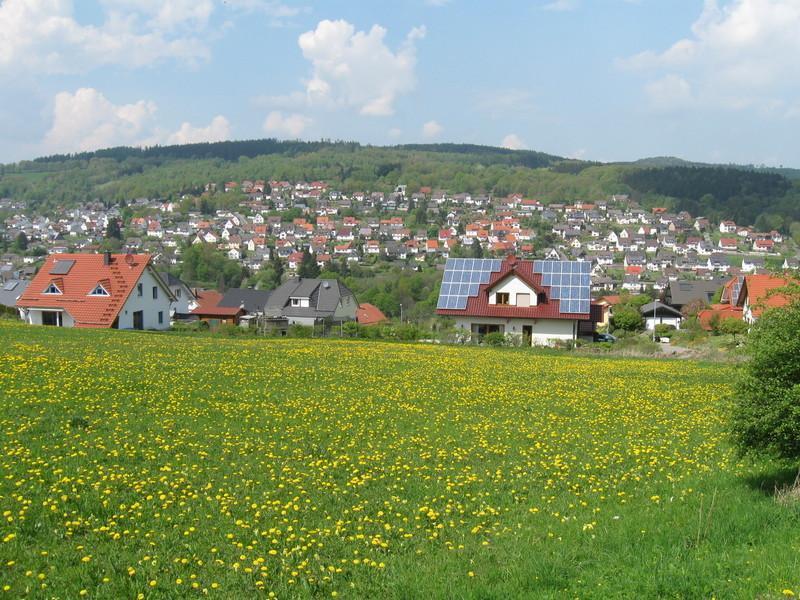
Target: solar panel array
[61,267]
[735,289]
[462,278]
[569,281]
[10,285]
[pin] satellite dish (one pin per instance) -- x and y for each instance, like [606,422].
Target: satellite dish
[129,260]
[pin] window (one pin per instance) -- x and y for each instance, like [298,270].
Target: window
[160,317]
[139,290]
[52,289]
[485,329]
[502,298]
[155,292]
[523,300]
[178,292]
[295,301]
[99,290]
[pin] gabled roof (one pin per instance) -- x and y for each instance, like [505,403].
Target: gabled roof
[477,304]
[369,314]
[253,301]
[119,277]
[324,296]
[757,292]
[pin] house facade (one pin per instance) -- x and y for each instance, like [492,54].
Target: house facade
[118,291]
[537,302]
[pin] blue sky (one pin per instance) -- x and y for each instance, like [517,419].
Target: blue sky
[597,79]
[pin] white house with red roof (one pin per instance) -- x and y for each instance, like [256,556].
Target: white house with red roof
[119,291]
[539,302]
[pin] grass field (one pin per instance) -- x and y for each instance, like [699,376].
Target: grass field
[162,466]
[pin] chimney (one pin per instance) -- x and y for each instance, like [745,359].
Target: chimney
[107,257]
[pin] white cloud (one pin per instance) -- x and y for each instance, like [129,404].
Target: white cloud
[86,120]
[561,5]
[671,92]
[513,142]
[277,13]
[165,14]
[739,55]
[431,130]
[217,131]
[356,69]
[290,125]
[44,36]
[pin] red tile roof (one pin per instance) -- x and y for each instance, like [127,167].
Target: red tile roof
[369,314]
[723,311]
[118,278]
[757,290]
[478,306]
[207,301]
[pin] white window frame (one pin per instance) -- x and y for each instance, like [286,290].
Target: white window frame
[57,291]
[105,293]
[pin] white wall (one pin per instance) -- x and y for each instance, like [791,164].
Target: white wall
[650,322]
[513,286]
[548,331]
[545,331]
[35,317]
[146,304]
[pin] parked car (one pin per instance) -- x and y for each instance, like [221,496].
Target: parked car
[604,337]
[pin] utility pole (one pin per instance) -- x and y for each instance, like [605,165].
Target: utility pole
[654,319]
[401,314]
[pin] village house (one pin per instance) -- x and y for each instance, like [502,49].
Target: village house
[115,291]
[536,302]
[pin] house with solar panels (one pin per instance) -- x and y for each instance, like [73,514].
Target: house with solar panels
[541,302]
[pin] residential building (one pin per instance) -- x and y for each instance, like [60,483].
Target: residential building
[119,291]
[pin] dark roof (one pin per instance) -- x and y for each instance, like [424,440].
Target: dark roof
[684,292]
[253,301]
[659,307]
[11,290]
[324,296]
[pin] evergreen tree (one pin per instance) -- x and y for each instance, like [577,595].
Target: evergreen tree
[477,249]
[21,243]
[308,266]
[113,230]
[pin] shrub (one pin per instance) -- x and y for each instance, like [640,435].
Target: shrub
[407,333]
[495,339]
[351,329]
[300,331]
[665,330]
[627,318]
[766,416]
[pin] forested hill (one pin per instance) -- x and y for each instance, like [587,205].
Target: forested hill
[748,195]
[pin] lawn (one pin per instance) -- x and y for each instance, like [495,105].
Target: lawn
[162,466]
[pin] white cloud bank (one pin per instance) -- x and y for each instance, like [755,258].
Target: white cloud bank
[431,130]
[513,142]
[86,120]
[43,36]
[740,55]
[356,69]
[289,125]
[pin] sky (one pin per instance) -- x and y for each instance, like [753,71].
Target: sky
[607,80]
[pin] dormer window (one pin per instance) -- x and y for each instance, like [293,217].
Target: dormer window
[99,290]
[295,301]
[52,289]
[502,298]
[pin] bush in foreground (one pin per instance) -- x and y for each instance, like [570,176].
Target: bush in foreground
[767,411]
